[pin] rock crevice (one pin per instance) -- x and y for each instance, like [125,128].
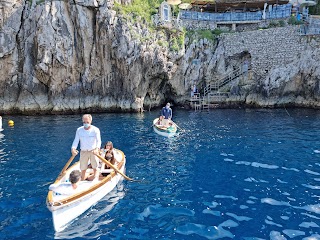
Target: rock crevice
[74,56]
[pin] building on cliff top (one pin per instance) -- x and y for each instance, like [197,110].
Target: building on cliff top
[230,14]
[271,9]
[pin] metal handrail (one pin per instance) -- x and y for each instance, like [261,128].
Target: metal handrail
[223,81]
[280,11]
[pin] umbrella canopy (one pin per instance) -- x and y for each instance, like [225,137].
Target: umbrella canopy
[174,2]
[185,6]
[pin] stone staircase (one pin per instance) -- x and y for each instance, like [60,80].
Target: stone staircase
[214,93]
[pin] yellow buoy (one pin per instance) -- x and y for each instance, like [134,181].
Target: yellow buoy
[11,123]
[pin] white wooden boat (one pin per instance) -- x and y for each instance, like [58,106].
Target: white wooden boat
[163,130]
[66,208]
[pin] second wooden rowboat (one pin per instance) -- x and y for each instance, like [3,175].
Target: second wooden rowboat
[163,130]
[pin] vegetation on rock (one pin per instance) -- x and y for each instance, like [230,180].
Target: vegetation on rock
[315,10]
[294,21]
[143,8]
[36,1]
[211,35]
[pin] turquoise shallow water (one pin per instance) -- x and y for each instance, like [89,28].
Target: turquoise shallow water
[232,174]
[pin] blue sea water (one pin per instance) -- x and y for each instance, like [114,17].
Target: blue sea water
[231,174]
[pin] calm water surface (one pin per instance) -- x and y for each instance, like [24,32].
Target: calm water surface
[232,174]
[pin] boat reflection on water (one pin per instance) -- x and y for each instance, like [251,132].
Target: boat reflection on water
[1,135]
[95,218]
[2,140]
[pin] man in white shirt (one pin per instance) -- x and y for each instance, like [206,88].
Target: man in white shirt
[90,144]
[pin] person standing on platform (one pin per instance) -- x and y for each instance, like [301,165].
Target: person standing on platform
[166,112]
[90,144]
[194,90]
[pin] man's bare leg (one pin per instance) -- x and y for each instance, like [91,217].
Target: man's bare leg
[83,175]
[95,174]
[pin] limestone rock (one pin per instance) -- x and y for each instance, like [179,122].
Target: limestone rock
[87,3]
[61,56]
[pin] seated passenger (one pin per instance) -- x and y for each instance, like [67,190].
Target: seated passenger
[171,128]
[160,121]
[110,158]
[107,147]
[67,188]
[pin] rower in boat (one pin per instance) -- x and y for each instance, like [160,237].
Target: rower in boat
[90,143]
[166,112]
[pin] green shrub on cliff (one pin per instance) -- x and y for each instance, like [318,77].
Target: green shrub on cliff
[174,44]
[196,35]
[282,23]
[273,24]
[315,10]
[293,21]
[36,1]
[143,8]
[175,37]
[163,43]
[181,39]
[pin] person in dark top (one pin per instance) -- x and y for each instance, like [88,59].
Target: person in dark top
[166,112]
[110,158]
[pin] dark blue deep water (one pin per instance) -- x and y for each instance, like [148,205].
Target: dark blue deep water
[232,174]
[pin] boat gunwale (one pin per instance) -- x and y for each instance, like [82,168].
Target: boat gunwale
[164,130]
[69,199]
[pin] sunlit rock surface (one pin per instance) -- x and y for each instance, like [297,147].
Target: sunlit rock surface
[75,56]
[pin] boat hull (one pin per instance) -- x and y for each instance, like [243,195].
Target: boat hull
[161,131]
[65,213]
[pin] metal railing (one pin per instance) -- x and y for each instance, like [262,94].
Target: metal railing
[216,85]
[280,11]
[221,17]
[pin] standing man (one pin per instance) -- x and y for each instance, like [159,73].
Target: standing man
[90,143]
[166,112]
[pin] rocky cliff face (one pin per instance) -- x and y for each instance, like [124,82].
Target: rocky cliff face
[63,56]
[80,55]
[285,67]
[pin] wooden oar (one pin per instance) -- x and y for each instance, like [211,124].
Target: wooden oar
[67,164]
[63,170]
[114,168]
[177,126]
